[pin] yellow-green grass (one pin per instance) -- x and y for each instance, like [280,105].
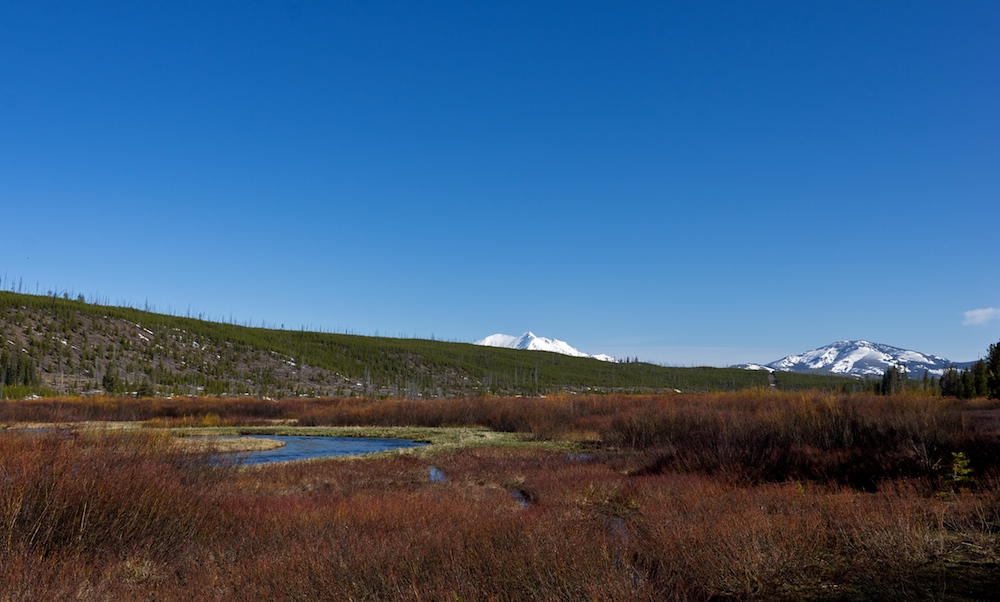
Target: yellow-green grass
[217,445]
[185,442]
[218,438]
[439,438]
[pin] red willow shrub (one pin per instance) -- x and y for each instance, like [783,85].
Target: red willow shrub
[699,538]
[542,417]
[753,435]
[79,409]
[114,493]
[550,416]
[430,542]
[157,526]
[855,440]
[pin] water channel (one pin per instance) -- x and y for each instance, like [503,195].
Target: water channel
[300,447]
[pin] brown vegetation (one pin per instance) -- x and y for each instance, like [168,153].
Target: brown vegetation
[740,496]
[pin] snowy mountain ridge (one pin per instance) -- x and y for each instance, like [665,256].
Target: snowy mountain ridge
[528,341]
[858,358]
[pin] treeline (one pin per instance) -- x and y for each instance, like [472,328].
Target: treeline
[17,369]
[982,379]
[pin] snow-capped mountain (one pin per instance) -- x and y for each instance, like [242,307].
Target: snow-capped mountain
[859,358]
[531,342]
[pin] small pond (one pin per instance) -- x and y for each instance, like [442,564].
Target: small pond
[299,447]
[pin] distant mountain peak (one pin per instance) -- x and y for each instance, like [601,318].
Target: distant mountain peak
[531,342]
[858,358]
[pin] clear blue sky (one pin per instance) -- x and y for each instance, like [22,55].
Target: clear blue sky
[689,183]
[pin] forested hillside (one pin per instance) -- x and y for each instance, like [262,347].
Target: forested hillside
[56,345]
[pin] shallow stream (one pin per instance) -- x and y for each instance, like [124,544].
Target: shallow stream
[299,447]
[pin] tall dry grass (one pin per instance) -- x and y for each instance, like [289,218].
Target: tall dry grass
[103,492]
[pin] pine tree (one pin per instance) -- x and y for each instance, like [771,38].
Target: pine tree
[894,380]
[993,372]
[980,384]
[110,380]
[950,382]
[966,388]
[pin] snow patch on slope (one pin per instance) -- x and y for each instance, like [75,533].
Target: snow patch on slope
[529,342]
[499,340]
[861,358]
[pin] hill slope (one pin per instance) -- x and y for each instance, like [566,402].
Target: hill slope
[58,345]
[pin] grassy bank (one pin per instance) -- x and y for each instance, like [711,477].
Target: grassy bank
[438,437]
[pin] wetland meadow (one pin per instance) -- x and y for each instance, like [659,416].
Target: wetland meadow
[737,496]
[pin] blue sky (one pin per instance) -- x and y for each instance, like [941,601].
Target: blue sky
[689,183]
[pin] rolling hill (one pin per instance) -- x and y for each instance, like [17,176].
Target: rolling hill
[55,345]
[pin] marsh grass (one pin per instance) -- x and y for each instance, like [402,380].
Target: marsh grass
[215,445]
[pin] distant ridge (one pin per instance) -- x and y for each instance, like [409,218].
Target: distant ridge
[55,345]
[859,358]
[529,342]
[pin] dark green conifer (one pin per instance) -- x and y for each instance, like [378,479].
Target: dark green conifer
[993,372]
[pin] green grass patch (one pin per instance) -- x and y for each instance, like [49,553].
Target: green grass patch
[439,438]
